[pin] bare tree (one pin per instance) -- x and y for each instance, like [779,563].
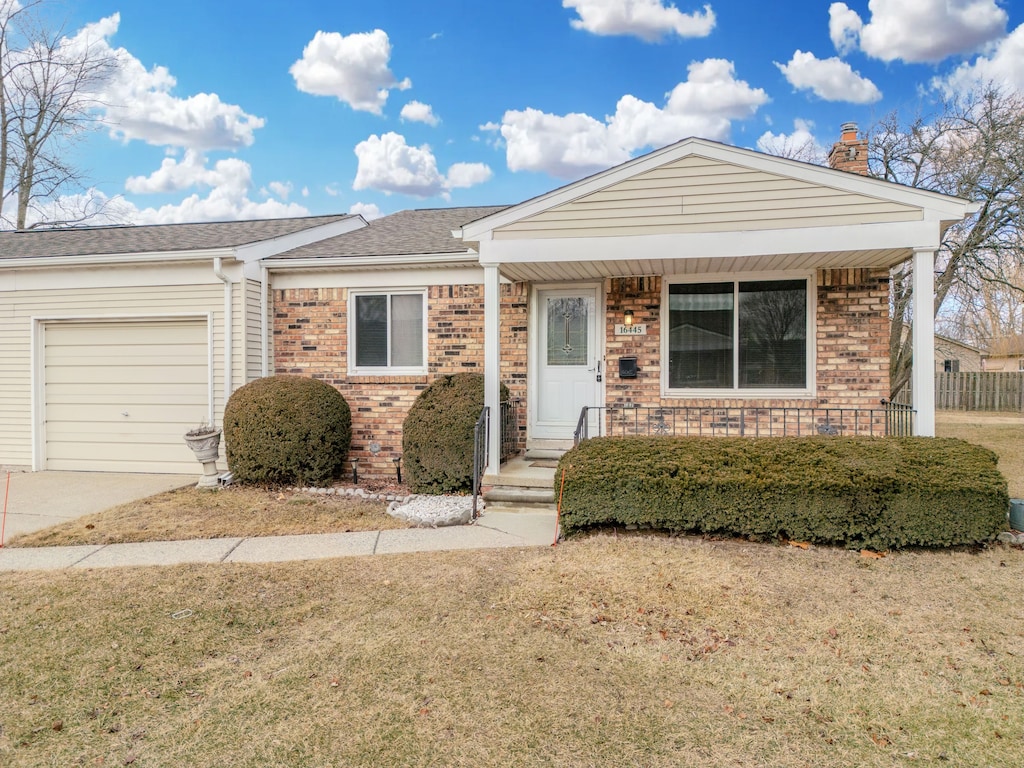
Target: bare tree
[971,149]
[48,84]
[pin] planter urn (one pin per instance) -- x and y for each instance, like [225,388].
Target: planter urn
[206,446]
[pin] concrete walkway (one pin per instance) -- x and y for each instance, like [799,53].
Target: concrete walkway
[491,530]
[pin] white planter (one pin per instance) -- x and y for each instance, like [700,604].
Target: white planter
[206,447]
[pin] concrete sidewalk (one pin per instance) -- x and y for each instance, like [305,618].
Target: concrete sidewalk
[491,530]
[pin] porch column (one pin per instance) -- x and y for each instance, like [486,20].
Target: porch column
[922,379]
[492,363]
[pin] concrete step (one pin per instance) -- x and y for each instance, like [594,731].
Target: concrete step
[523,509]
[518,495]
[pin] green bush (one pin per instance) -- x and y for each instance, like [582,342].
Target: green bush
[437,434]
[876,493]
[287,429]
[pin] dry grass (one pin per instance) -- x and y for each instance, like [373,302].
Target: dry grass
[191,513]
[1001,432]
[601,652]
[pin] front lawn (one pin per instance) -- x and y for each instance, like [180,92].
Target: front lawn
[1000,432]
[193,513]
[599,652]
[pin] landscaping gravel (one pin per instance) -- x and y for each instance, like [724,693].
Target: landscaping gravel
[433,511]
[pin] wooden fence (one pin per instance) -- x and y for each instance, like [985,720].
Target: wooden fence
[980,391]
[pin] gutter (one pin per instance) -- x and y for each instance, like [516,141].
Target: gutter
[381,262]
[228,326]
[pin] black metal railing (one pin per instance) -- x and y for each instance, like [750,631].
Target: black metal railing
[510,432]
[480,452]
[899,420]
[710,421]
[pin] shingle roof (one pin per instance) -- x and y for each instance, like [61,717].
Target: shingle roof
[423,231]
[84,241]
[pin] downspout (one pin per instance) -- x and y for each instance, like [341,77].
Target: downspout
[264,323]
[228,324]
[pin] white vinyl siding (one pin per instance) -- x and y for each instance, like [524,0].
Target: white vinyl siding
[696,194]
[118,395]
[253,332]
[90,295]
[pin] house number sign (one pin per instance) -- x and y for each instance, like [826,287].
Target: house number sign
[639,329]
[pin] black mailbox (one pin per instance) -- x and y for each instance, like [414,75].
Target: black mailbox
[627,368]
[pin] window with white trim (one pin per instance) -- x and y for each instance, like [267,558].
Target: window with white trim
[738,336]
[387,332]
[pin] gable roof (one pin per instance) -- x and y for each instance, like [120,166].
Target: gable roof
[157,238]
[422,231]
[937,206]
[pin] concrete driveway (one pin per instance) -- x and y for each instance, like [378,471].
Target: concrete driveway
[40,499]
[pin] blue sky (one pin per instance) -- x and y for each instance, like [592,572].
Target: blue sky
[227,109]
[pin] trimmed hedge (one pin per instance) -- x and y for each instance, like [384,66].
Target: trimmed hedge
[875,493]
[287,429]
[437,434]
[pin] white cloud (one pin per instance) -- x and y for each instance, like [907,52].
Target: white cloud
[649,20]
[368,211]
[305,191]
[418,112]
[281,188]
[844,26]
[220,205]
[565,146]
[137,103]
[466,175]
[352,68]
[387,164]
[572,145]
[831,79]
[918,30]
[229,182]
[798,145]
[1003,66]
[191,171]
[332,190]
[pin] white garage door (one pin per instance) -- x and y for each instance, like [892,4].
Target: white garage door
[119,396]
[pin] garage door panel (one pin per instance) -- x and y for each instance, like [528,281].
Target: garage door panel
[61,414]
[163,392]
[155,371]
[125,375]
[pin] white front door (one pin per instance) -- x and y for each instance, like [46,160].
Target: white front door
[567,354]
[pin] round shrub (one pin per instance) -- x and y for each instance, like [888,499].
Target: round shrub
[287,429]
[437,435]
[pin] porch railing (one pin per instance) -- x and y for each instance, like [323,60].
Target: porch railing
[510,433]
[708,421]
[480,452]
[481,441]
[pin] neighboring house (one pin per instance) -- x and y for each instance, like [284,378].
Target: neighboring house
[952,356]
[699,274]
[114,341]
[1005,354]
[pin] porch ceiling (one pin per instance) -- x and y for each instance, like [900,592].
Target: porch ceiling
[563,271]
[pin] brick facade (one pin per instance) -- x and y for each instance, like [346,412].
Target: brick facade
[311,339]
[852,337]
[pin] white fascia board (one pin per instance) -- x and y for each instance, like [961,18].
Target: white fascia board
[406,261]
[710,245]
[108,259]
[267,248]
[935,204]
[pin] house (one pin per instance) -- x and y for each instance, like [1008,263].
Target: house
[116,340]
[1005,354]
[952,356]
[699,274]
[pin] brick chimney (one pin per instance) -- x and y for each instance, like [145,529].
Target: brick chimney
[849,153]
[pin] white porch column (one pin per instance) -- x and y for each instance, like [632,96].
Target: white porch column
[492,362]
[922,380]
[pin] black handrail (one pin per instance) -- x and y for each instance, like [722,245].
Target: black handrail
[481,447]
